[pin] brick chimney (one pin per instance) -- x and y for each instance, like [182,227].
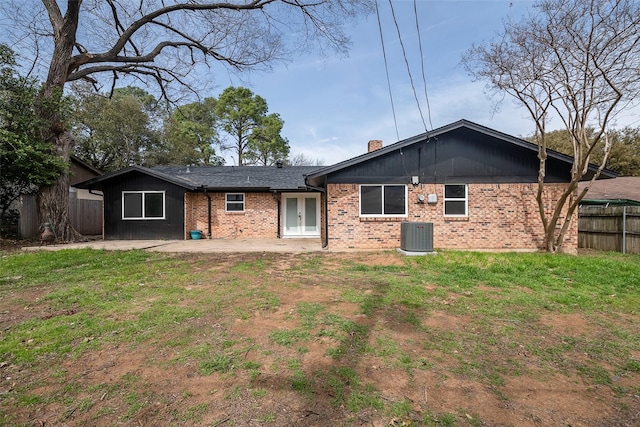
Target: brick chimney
[374,144]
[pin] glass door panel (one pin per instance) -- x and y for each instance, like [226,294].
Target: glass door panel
[301,216]
[310,217]
[291,216]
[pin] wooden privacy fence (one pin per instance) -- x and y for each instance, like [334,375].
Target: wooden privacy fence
[613,228]
[85,216]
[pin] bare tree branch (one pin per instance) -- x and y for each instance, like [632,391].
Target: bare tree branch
[161,42]
[578,60]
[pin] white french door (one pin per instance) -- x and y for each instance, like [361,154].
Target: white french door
[301,215]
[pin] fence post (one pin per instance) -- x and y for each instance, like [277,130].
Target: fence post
[624,229]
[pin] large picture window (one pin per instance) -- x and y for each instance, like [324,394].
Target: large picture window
[455,200]
[234,202]
[383,200]
[143,205]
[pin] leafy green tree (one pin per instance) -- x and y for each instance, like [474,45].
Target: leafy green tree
[625,151]
[117,131]
[240,112]
[191,135]
[624,156]
[266,146]
[27,161]
[162,43]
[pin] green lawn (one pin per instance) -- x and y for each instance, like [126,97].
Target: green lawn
[104,338]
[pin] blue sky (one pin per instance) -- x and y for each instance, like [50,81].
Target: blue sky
[333,106]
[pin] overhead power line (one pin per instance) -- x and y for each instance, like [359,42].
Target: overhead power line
[386,67]
[424,79]
[404,54]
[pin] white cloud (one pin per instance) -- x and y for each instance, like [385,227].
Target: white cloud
[463,100]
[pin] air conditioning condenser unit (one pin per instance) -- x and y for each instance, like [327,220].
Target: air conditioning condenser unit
[416,236]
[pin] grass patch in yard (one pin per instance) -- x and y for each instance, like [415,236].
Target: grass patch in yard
[250,267]
[301,384]
[308,313]
[264,301]
[308,262]
[288,337]
[216,363]
[343,385]
[125,336]
[195,413]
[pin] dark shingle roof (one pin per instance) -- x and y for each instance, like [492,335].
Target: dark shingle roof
[241,177]
[98,182]
[626,188]
[315,176]
[218,178]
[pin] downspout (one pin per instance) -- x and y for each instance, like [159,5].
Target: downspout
[325,243]
[208,213]
[277,199]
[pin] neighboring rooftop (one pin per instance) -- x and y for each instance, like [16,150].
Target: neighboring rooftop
[621,188]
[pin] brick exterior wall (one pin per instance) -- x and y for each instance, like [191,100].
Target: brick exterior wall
[259,219]
[500,217]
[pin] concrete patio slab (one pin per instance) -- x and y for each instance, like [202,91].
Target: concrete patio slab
[202,245]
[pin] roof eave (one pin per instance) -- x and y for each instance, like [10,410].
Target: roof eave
[615,201]
[86,165]
[96,183]
[236,189]
[605,173]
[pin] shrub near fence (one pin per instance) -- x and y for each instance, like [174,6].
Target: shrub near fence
[613,228]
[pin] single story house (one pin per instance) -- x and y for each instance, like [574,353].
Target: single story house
[477,186]
[227,202]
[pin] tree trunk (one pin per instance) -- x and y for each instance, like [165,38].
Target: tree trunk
[53,201]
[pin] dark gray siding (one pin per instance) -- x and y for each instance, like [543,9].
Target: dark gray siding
[115,228]
[462,155]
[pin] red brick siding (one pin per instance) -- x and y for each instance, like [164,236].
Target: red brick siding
[259,219]
[501,216]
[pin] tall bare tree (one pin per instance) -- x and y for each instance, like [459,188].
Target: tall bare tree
[301,160]
[160,41]
[575,61]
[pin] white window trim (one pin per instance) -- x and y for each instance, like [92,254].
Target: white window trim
[226,202]
[457,199]
[143,217]
[406,205]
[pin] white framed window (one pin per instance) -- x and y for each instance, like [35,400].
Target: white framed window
[456,200]
[234,202]
[383,200]
[143,205]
